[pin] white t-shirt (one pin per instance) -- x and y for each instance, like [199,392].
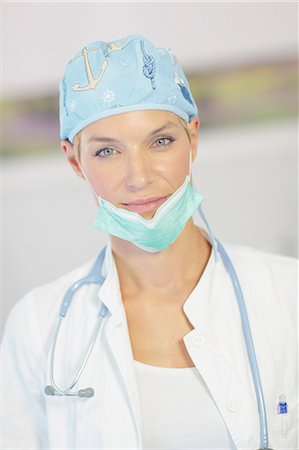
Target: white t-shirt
[178,411]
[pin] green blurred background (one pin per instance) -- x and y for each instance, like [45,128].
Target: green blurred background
[228,96]
[241,59]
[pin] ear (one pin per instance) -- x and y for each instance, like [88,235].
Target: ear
[72,157]
[194,127]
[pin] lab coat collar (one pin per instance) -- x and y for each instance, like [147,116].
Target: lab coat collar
[199,298]
[109,293]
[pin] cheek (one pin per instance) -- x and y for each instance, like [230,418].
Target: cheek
[177,168]
[106,185]
[101,179]
[184,163]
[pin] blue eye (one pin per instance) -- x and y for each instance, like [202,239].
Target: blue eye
[105,152]
[163,141]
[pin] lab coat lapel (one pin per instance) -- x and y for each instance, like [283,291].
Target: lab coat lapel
[117,337]
[217,348]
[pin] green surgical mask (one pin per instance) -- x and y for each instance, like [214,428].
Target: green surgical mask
[157,233]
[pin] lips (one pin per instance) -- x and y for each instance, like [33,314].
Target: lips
[144,201]
[145,205]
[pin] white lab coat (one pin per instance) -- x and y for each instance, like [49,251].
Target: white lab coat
[112,418]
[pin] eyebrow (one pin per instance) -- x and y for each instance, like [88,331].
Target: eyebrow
[109,139]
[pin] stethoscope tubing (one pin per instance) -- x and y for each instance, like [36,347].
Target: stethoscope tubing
[249,344]
[95,278]
[84,362]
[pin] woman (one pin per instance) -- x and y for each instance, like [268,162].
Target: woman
[159,347]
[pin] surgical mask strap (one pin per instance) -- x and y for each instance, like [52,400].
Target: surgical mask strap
[88,182]
[190,163]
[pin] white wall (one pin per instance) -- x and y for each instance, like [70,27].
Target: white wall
[40,37]
[248,176]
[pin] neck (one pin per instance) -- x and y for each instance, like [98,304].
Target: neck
[164,272]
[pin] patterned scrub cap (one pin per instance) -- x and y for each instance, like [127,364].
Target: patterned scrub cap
[129,74]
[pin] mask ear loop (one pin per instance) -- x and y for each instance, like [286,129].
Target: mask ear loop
[190,164]
[89,183]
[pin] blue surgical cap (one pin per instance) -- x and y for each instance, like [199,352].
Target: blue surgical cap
[130,74]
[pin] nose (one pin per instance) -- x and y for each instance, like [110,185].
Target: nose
[139,171]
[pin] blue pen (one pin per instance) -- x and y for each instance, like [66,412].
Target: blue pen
[283,410]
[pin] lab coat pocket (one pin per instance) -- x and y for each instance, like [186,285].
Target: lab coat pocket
[283,428]
[71,422]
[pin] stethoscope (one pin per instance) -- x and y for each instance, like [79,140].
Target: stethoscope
[95,277]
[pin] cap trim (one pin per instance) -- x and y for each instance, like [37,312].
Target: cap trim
[123,109]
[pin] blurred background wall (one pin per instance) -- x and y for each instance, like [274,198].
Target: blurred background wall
[241,62]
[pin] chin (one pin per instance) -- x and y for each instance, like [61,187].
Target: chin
[148,215]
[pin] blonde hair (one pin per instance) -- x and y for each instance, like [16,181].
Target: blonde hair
[185,125]
[76,144]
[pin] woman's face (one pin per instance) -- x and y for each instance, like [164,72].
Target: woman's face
[136,160]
